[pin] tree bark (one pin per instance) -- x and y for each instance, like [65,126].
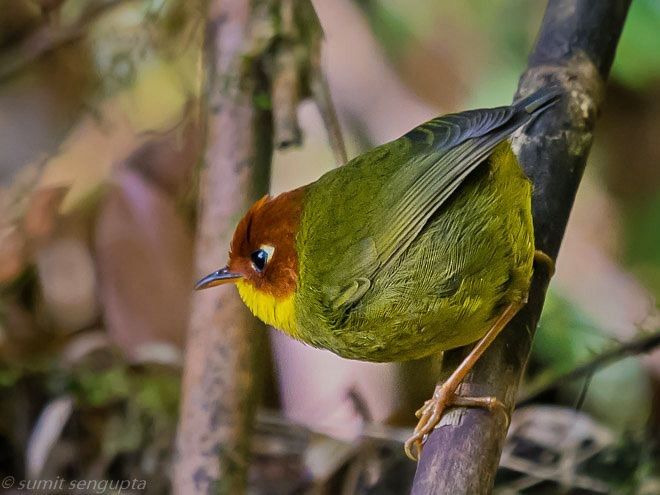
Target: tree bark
[218,398]
[575,49]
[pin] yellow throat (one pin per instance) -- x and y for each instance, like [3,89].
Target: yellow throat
[274,311]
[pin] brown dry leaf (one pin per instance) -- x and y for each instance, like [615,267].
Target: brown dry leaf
[12,253]
[13,203]
[27,216]
[86,157]
[144,256]
[40,219]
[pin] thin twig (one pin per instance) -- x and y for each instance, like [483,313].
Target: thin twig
[640,345]
[321,93]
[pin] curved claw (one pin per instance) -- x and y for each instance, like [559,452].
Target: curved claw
[413,447]
[429,416]
[432,411]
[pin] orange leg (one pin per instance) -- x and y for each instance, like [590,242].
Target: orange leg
[444,395]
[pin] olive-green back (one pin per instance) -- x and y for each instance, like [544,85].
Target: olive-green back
[358,220]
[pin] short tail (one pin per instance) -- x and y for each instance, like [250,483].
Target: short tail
[489,125]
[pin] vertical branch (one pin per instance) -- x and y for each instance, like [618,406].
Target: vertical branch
[218,398]
[574,49]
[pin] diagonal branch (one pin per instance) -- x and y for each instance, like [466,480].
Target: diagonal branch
[640,345]
[575,49]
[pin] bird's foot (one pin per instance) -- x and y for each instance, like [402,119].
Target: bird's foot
[429,416]
[540,258]
[492,404]
[433,409]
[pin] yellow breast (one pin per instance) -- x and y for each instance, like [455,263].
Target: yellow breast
[277,312]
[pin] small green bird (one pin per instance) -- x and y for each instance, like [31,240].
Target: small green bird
[418,246]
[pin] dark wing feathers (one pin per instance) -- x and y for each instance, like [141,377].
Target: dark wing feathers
[451,130]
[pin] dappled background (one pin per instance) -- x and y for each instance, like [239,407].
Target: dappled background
[100,142]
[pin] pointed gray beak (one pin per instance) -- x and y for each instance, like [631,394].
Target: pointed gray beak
[222,276]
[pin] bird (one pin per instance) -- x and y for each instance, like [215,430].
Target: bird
[418,246]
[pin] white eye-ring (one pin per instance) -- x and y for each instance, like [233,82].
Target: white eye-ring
[270,250]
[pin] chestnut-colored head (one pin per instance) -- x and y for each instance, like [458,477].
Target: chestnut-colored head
[262,258]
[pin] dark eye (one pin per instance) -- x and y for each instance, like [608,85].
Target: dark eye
[259,259]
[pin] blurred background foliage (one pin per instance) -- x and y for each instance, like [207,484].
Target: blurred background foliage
[101,138]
